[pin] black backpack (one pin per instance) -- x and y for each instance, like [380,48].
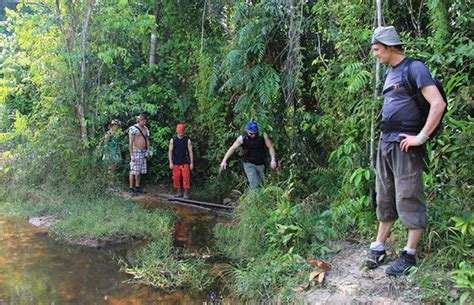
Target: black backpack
[410,84]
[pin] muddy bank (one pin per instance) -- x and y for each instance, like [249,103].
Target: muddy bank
[43,224]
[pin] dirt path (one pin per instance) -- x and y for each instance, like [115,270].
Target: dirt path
[348,283]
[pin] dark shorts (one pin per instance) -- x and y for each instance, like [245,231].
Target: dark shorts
[399,185]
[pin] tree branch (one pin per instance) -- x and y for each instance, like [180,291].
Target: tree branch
[319,52]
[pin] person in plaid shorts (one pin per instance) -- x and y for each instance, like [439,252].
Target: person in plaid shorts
[138,136]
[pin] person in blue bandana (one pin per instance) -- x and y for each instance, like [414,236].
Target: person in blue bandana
[254,156]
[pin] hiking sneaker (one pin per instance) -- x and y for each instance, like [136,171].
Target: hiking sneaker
[402,265]
[375,259]
[186,194]
[132,192]
[179,193]
[139,190]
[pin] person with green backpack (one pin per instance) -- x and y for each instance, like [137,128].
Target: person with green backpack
[414,105]
[111,151]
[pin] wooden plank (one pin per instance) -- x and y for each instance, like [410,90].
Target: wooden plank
[194,202]
[169,201]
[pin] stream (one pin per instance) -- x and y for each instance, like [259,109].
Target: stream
[35,269]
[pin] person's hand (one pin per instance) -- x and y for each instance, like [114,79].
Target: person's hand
[223,165]
[171,165]
[131,157]
[191,166]
[273,164]
[409,141]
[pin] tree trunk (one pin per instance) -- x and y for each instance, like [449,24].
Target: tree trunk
[153,40]
[153,43]
[292,69]
[439,21]
[80,104]
[203,18]
[376,95]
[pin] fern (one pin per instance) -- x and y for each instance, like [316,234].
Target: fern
[214,79]
[355,77]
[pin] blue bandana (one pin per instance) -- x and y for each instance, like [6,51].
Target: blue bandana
[252,127]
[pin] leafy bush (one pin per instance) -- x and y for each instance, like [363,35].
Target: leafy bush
[267,242]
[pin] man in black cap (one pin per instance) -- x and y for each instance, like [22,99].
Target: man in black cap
[399,182]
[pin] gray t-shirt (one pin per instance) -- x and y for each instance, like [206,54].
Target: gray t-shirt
[397,104]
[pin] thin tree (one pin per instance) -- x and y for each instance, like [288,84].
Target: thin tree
[293,66]
[378,4]
[77,71]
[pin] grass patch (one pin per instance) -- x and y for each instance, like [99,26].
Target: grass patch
[97,217]
[161,266]
[267,245]
[108,217]
[269,278]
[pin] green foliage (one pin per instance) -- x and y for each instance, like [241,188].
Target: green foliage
[267,278]
[464,278]
[217,69]
[159,265]
[267,243]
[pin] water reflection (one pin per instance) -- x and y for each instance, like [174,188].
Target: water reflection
[37,270]
[192,227]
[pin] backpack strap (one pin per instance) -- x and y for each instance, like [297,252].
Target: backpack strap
[407,78]
[409,82]
[406,75]
[146,142]
[384,78]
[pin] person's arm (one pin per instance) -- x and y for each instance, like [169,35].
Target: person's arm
[170,153]
[191,156]
[271,150]
[231,150]
[437,106]
[131,140]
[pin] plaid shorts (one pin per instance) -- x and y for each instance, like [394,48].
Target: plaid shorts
[138,164]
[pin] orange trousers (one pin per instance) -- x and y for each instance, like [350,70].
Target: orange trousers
[178,171]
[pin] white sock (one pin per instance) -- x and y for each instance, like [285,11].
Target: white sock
[410,250]
[377,246]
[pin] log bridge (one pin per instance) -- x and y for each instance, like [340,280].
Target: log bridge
[195,203]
